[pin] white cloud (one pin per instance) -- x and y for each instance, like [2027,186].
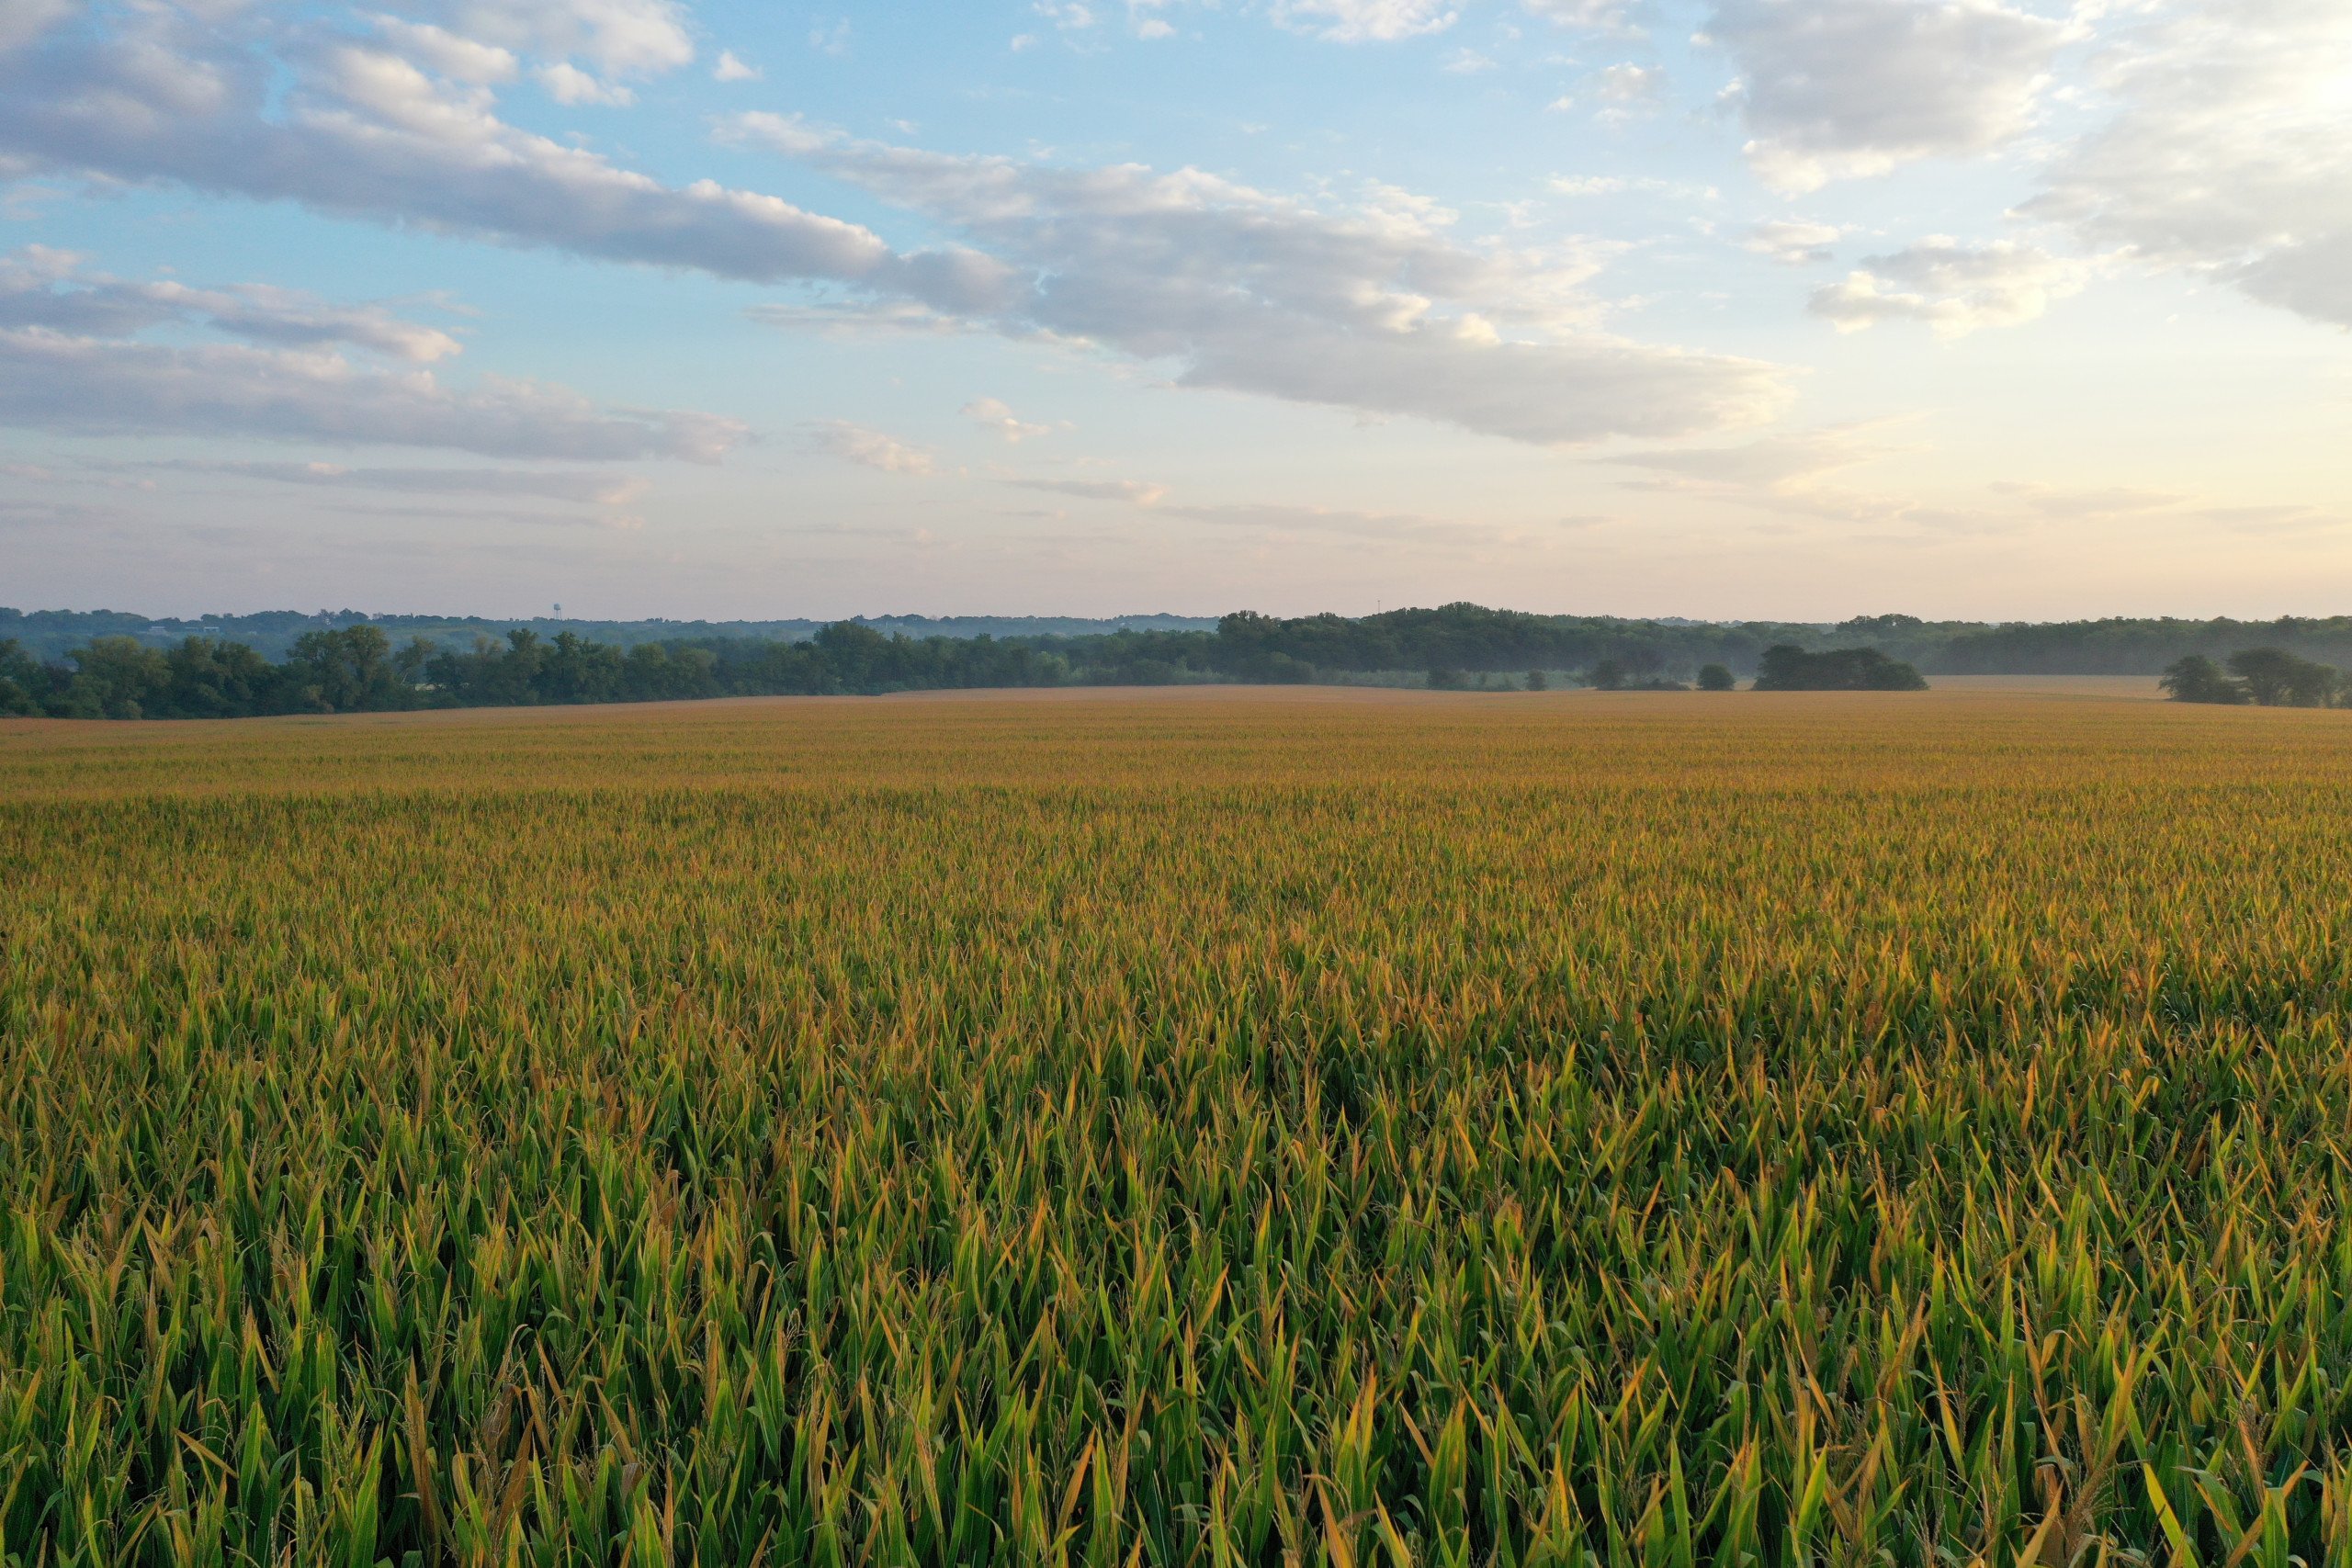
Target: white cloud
[991,414]
[618,36]
[54,381]
[1598,16]
[21,21]
[1626,82]
[1620,184]
[1137,492]
[1370,307]
[1373,309]
[2228,152]
[602,490]
[567,83]
[1955,289]
[872,448]
[71,359]
[365,130]
[732,68]
[1831,89]
[1351,21]
[46,289]
[446,54]
[1793,241]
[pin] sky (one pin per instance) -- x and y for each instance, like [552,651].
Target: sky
[1802,309]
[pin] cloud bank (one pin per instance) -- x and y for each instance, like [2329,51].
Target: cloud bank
[1832,89]
[1373,309]
[1955,289]
[71,360]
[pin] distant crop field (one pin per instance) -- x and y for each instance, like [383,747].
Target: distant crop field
[1198,1127]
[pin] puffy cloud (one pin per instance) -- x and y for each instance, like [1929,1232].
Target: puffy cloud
[1626,89]
[2227,152]
[1955,289]
[54,381]
[21,21]
[619,37]
[1794,241]
[43,287]
[1373,309]
[567,83]
[1353,20]
[1835,88]
[991,414]
[872,448]
[446,53]
[1621,185]
[731,69]
[367,130]
[71,359]
[1604,16]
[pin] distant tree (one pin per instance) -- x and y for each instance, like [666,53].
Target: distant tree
[2197,678]
[115,677]
[1715,678]
[1535,681]
[215,679]
[1444,679]
[1787,668]
[1608,675]
[22,680]
[410,662]
[2274,678]
[348,669]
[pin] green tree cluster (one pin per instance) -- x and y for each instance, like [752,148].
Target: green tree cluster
[2266,677]
[1791,669]
[356,668]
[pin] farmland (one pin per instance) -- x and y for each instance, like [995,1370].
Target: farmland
[1203,1127]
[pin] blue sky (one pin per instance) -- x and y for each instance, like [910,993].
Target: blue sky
[1991,308]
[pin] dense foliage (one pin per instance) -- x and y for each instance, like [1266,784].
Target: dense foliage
[1786,669]
[52,634]
[1192,1128]
[2267,677]
[356,670]
[1457,638]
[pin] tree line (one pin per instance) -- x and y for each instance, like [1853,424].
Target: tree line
[1471,639]
[2265,677]
[356,669]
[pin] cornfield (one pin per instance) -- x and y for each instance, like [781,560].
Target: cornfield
[1195,1129]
